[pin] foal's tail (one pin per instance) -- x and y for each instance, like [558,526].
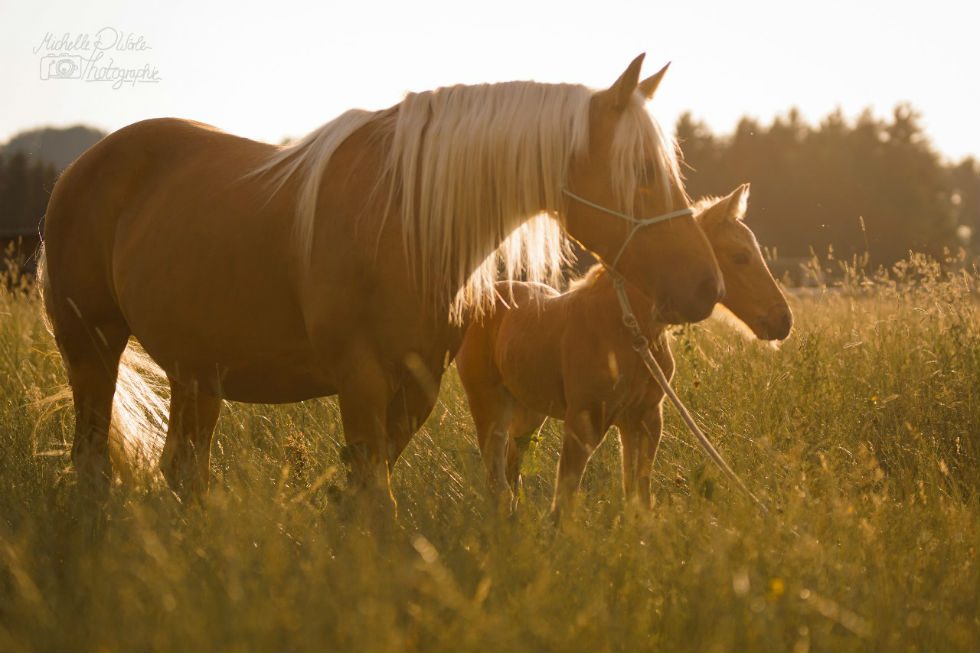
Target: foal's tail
[140,405]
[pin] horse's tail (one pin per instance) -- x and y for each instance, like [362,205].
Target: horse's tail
[139,408]
[140,404]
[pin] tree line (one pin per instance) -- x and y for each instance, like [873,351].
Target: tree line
[25,185]
[871,185]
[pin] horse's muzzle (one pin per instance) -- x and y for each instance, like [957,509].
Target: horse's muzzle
[697,307]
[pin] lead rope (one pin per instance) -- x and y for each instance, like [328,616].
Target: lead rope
[641,345]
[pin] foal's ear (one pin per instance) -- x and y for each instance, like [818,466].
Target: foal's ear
[737,203]
[649,85]
[730,208]
[619,94]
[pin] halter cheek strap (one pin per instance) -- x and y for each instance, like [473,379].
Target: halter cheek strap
[637,223]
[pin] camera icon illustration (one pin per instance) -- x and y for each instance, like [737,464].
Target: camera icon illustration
[61,66]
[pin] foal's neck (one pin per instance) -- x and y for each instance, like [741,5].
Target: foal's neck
[597,287]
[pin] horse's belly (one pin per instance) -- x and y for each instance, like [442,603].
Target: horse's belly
[266,373]
[273,385]
[232,357]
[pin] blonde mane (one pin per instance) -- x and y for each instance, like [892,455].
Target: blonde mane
[477,173]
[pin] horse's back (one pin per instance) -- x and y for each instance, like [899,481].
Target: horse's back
[124,166]
[84,208]
[144,184]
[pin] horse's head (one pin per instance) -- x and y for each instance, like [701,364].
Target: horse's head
[629,173]
[751,292]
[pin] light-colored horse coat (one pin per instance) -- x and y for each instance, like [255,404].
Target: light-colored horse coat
[569,356]
[343,264]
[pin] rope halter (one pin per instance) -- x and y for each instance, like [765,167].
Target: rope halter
[638,223]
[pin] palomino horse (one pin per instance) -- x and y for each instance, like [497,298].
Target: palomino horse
[569,356]
[345,264]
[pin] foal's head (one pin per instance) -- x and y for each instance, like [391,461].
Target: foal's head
[751,292]
[628,167]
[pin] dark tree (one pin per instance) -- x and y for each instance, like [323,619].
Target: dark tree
[869,186]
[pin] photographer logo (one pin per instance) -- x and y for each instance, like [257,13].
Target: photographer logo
[109,56]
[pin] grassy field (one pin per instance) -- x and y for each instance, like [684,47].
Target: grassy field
[863,430]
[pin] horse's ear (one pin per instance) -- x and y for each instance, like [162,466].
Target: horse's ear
[619,94]
[649,85]
[738,203]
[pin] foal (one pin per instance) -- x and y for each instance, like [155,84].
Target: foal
[543,354]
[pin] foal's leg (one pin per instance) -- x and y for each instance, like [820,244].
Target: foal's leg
[495,447]
[640,433]
[524,425]
[583,434]
[492,407]
[186,460]
[640,439]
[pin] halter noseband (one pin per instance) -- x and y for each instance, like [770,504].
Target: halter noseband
[636,222]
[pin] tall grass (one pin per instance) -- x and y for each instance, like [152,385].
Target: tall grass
[863,431]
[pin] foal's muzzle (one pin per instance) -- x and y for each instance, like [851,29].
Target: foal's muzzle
[779,322]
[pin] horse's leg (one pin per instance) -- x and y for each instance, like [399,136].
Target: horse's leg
[650,432]
[407,411]
[365,394]
[91,336]
[640,438]
[186,459]
[582,435]
[495,447]
[524,424]
[492,408]
[629,441]
[640,432]
[93,383]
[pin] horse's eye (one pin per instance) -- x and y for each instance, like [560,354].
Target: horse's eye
[741,258]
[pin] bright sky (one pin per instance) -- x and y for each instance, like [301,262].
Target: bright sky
[268,70]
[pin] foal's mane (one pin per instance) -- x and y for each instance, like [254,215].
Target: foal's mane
[590,277]
[476,173]
[704,203]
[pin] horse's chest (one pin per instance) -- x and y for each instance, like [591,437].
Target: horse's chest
[627,381]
